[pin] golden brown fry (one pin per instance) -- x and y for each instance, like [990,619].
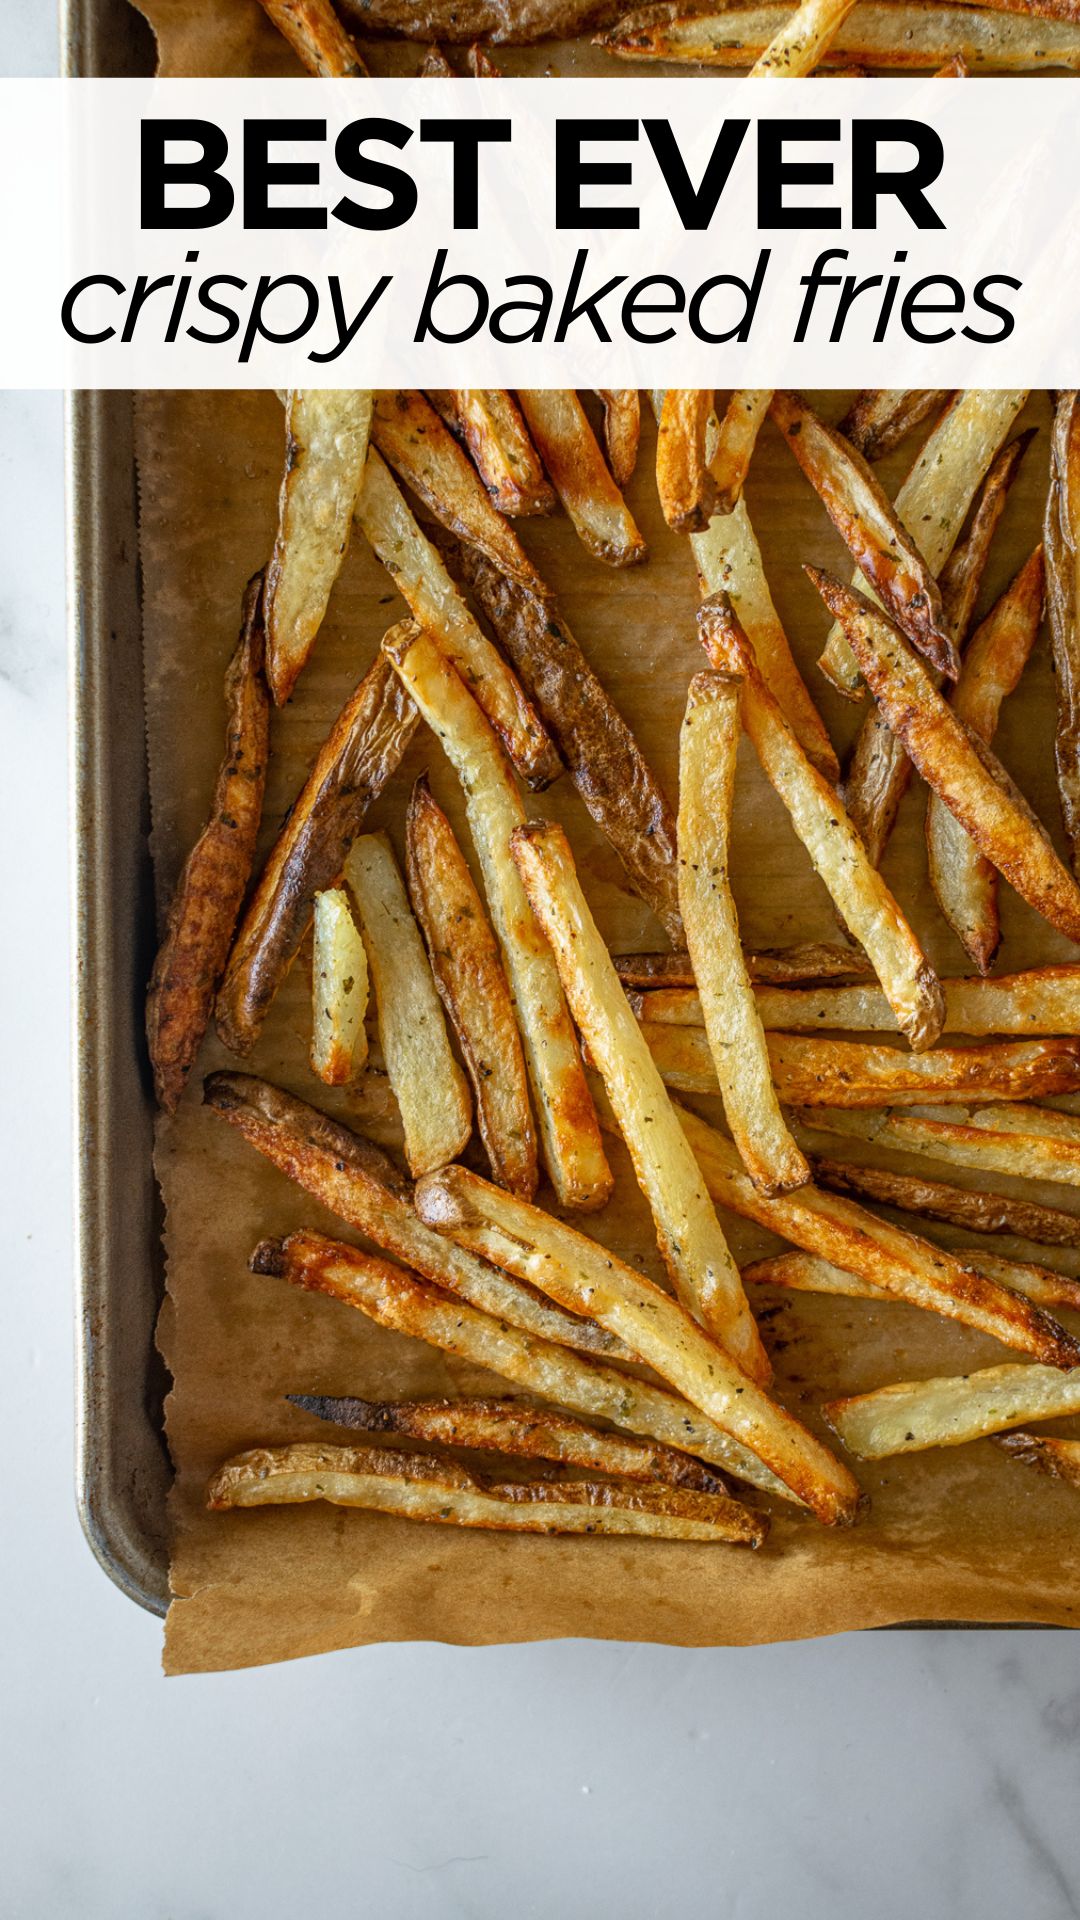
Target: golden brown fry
[961,576]
[423,582]
[880,417]
[807,960]
[569,1131]
[339,991]
[515,1427]
[916,1414]
[1044,1001]
[1059,1458]
[622,431]
[895,36]
[864,901]
[871,528]
[469,974]
[953,761]
[963,879]
[210,890]
[355,1180]
[708,747]
[806,1273]
[735,440]
[363,749]
[326,445]
[498,442]
[1063,600]
[686,487]
[689,1235]
[317,37]
[436,65]
[800,45]
[955,1206]
[420,1486]
[575,465]
[602,756]
[1029,1143]
[481,65]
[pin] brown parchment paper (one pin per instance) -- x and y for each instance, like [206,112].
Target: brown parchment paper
[961,1534]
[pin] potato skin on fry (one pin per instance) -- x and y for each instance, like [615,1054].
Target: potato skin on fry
[895,36]
[1059,1458]
[965,1207]
[489,423]
[602,520]
[1063,582]
[326,443]
[622,431]
[686,487]
[317,37]
[880,417]
[210,891]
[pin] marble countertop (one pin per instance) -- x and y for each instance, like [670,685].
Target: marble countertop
[885,1775]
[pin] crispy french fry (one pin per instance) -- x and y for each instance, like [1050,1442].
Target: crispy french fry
[880,417]
[916,1414]
[339,991]
[896,36]
[622,431]
[736,438]
[872,529]
[802,42]
[481,65]
[210,890]
[1026,1142]
[1063,599]
[602,756]
[585,1278]
[499,445]
[954,1206]
[326,440]
[879,770]
[807,960]
[812,1071]
[1044,1001]
[317,37]
[428,1084]
[1059,1458]
[708,746]
[806,1273]
[423,582]
[419,1486]
[569,1131]
[396,1299]
[436,65]
[469,975]
[351,1177]
[953,761]
[686,487]
[363,749]
[691,1242]
[575,465]
[516,1427]
[963,879]
[864,901]
[933,502]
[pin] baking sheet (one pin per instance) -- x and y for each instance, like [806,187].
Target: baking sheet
[962,1534]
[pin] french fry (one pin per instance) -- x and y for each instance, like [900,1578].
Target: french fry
[427,1082]
[622,431]
[396,1299]
[423,582]
[418,1486]
[879,770]
[326,441]
[691,1242]
[604,761]
[363,749]
[962,1207]
[955,69]
[905,1266]
[515,1427]
[806,960]
[339,991]
[864,901]
[469,975]
[933,502]
[481,65]
[1059,1458]
[1026,1142]
[585,1278]
[880,417]
[1063,599]
[317,37]
[736,438]
[1044,1001]
[963,879]
[953,761]
[210,890]
[576,468]
[801,44]
[812,1071]
[686,487]
[916,1414]
[355,1180]
[871,528]
[708,746]
[806,1273]
[896,36]
[413,440]
[569,1131]
[498,442]
[436,65]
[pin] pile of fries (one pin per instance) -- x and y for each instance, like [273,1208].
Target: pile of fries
[472,980]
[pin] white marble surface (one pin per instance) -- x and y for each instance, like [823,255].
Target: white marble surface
[881,1775]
